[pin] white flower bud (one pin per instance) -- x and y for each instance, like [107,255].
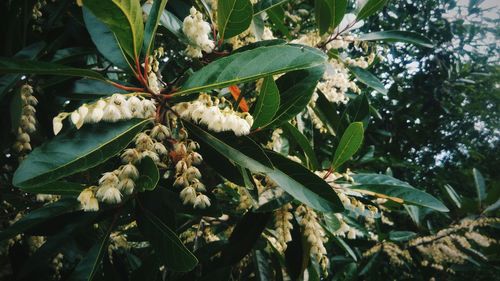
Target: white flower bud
[188,195]
[57,124]
[111,113]
[130,155]
[195,158]
[193,173]
[180,182]
[126,185]
[159,148]
[112,196]
[108,178]
[160,132]
[128,171]
[180,167]
[201,202]
[151,154]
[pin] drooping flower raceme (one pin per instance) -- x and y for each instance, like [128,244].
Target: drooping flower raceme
[27,122]
[197,31]
[115,108]
[206,111]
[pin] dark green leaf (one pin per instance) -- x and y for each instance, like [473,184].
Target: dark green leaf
[233,17]
[323,16]
[401,236]
[75,151]
[327,112]
[172,24]
[396,190]
[365,77]
[38,216]
[338,8]
[154,12]
[148,175]
[104,40]
[263,268]
[251,65]
[11,65]
[58,188]
[397,36]
[276,15]
[89,265]
[303,142]
[296,89]
[453,195]
[480,185]
[370,8]
[168,248]
[124,19]
[296,253]
[92,89]
[349,144]
[267,103]
[265,5]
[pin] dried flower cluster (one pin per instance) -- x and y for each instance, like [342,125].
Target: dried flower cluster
[115,108]
[27,122]
[207,111]
[283,225]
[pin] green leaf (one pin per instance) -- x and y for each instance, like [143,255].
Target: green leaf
[104,40]
[168,248]
[75,151]
[58,188]
[453,195]
[397,36]
[38,216]
[265,5]
[296,89]
[370,8]
[358,110]
[28,53]
[148,175]
[11,65]
[276,15]
[89,265]
[172,24]
[294,178]
[480,185]
[251,65]
[124,19]
[244,236]
[396,190]
[401,236]
[296,253]
[233,17]
[303,142]
[368,79]
[92,89]
[327,112]
[345,246]
[329,13]
[267,103]
[349,143]
[152,23]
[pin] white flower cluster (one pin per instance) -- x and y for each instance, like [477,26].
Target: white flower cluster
[197,31]
[152,70]
[207,112]
[314,234]
[283,225]
[27,123]
[341,42]
[188,177]
[336,83]
[346,230]
[115,108]
[250,36]
[113,185]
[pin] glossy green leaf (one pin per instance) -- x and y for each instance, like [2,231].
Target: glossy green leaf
[276,16]
[87,268]
[168,248]
[8,81]
[338,9]
[370,8]
[265,5]
[398,191]
[154,12]
[303,142]
[296,253]
[251,65]
[397,36]
[267,103]
[296,89]
[294,178]
[233,17]
[453,195]
[104,40]
[124,19]
[172,24]
[148,175]
[92,89]
[358,110]
[12,65]
[329,13]
[58,188]
[401,236]
[75,151]
[480,185]
[39,216]
[349,144]
[365,77]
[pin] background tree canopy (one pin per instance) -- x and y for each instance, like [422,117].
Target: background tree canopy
[249,140]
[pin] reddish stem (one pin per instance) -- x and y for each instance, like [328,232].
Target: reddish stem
[119,86]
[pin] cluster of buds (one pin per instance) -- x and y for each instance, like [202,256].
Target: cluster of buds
[206,111]
[187,176]
[36,12]
[153,70]
[57,264]
[115,108]
[283,225]
[197,31]
[354,205]
[314,234]
[28,122]
[345,230]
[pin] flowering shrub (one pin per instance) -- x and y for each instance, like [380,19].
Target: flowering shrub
[201,141]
